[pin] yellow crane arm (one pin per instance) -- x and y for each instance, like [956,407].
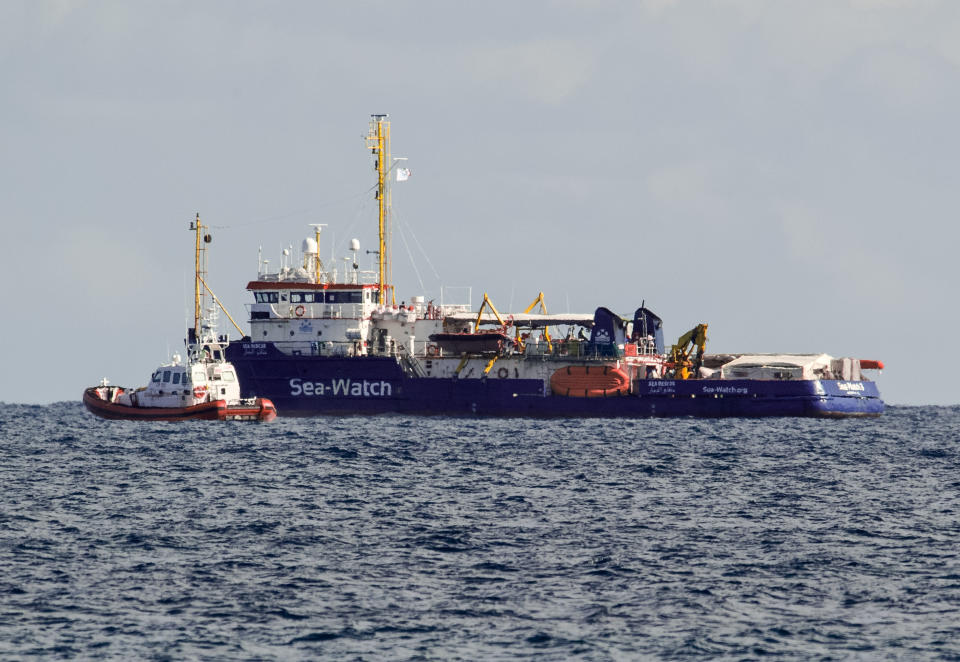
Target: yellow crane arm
[543,305]
[215,298]
[489,304]
[694,340]
[543,309]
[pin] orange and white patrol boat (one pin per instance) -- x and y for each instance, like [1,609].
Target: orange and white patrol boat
[203,387]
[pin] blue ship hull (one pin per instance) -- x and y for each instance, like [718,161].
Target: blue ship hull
[326,385]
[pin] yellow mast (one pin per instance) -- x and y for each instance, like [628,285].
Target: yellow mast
[199,271]
[200,287]
[378,140]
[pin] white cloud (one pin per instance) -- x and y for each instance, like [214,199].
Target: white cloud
[685,187]
[549,71]
[53,13]
[826,244]
[893,4]
[99,263]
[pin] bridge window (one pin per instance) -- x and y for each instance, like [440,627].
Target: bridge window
[303,297]
[266,297]
[345,297]
[166,376]
[176,378]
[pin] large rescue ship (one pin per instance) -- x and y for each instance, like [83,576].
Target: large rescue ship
[335,341]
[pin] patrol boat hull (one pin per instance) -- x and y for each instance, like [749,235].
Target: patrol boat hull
[215,410]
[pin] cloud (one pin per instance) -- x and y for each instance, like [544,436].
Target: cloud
[549,71]
[892,4]
[55,12]
[101,264]
[685,187]
[826,244]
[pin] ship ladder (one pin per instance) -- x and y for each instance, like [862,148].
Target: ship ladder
[413,366]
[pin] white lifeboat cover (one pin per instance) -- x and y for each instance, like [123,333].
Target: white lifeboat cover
[764,366]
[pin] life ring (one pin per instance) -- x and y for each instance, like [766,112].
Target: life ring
[299,311]
[199,391]
[433,350]
[503,373]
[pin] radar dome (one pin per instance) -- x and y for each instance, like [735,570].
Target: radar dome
[354,244]
[309,245]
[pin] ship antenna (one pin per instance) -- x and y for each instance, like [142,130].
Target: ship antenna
[318,265]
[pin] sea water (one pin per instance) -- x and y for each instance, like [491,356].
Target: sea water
[404,538]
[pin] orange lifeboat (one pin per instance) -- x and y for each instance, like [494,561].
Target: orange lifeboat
[585,381]
[871,364]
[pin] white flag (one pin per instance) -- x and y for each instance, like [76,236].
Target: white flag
[403,174]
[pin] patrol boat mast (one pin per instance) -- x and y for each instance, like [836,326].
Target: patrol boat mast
[204,331]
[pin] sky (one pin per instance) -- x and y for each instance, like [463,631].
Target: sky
[784,171]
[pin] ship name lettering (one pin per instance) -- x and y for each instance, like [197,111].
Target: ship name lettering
[850,386]
[661,386]
[363,388]
[726,390]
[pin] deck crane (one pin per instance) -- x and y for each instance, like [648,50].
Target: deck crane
[694,340]
[487,303]
[543,309]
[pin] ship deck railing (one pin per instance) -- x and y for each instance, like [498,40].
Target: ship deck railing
[556,350]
